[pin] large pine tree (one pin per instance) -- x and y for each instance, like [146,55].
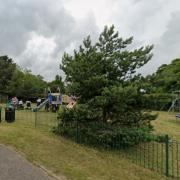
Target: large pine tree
[100,75]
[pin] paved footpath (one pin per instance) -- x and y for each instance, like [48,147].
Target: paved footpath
[15,167]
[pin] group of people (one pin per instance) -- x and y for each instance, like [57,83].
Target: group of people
[18,104]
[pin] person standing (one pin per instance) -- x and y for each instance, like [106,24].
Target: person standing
[21,104]
[38,101]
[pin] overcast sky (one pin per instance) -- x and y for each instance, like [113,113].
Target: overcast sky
[35,33]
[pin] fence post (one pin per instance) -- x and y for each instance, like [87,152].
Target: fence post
[167,154]
[35,123]
[77,132]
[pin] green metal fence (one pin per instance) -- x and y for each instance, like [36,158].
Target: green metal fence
[162,156]
[40,119]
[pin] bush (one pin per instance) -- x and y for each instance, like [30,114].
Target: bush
[77,125]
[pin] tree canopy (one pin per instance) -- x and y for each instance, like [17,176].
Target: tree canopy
[167,77]
[7,68]
[57,83]
[26,85]
[109,62]
[101,75]
[16,81]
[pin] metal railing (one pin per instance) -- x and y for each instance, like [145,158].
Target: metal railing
[160,155]
[34,119]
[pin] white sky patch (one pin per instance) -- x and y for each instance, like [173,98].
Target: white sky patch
[101,9]
[146,19]
[39,55]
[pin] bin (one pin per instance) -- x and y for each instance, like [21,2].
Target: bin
[10,114]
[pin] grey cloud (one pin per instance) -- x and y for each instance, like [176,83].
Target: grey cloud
[36,33]
[167,46]
[20,19]
[152,22]
[140,18]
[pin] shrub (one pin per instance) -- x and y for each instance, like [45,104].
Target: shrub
[78,125]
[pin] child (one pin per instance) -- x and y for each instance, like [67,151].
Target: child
[38,101]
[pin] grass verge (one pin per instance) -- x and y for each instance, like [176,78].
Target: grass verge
[67,159]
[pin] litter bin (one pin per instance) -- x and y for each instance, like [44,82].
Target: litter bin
[10,114]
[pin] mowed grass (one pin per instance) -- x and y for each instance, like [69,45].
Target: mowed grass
[167,124]
[65,158]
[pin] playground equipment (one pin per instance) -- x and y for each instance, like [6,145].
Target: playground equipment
[41,105]
[175,106]
[56,98]
[53,101]
[70,101]
[71,104]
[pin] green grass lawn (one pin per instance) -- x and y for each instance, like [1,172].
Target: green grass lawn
[64,158]
[167,124]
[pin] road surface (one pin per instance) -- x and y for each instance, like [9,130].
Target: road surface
[15,167]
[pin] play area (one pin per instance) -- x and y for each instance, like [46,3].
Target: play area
[42,112]
[51,102]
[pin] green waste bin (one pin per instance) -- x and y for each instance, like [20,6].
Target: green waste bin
[10,114]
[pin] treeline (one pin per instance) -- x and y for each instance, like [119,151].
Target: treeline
[15,81]
[165,80]
[161,85]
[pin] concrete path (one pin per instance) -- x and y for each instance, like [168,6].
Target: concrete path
[15,167]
